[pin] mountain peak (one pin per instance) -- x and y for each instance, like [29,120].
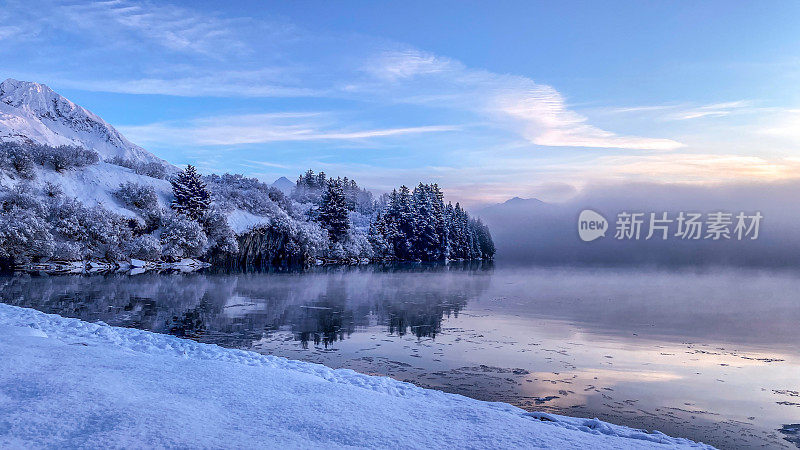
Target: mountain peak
[32,112]
[520,200]
[284,184]
[12,85]
[41,101]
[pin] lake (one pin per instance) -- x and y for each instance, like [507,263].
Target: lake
[708,354]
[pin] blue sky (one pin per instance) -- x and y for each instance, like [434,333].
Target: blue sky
[489,99]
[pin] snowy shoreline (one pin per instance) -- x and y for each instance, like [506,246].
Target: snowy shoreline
[69,383]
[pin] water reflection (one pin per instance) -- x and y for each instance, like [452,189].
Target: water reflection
[321,306]
[708,355]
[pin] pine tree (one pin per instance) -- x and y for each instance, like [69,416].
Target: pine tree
[449,221]
[439,221]
[426,237]
[400,214]
[333,212]
[484,238]
[378,238]
[192,199]
[419,226]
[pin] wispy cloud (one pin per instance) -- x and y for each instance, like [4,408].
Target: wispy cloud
[712,110]
[173,27]
[259,84]
[262,128]
[537,112]
[260,164]
[688,111]
[409,63]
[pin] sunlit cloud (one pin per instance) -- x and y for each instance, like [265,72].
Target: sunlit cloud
[537,112]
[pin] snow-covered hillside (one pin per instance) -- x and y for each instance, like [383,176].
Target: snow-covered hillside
[32,112]
[69,383]
[94,185]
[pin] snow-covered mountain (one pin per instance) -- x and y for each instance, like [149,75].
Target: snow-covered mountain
[284,185]
[32,112]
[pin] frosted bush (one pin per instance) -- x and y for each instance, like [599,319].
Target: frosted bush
[17,159]
[64,157]
[182,237]
[148,169]
[24,236]
[146,247]
[220,235]
[67,251]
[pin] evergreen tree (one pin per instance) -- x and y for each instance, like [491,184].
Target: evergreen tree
[191,196]
[333,212]
[450,232]
[378,238]
[425,239]
[440,221]
[419,226]
[484,239]
[400,216]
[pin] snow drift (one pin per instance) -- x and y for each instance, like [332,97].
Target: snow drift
[69,383]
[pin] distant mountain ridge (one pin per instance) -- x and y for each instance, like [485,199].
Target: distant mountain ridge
[33,113]
[284,185]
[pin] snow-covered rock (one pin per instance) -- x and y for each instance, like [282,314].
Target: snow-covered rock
[68,384]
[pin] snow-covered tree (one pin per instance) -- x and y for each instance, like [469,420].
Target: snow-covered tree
[146,247]
[221,237]
[420,226]
[333,212]
[68,157]
[400,221]
[17,159]
[148,169]
[236,191]
[143,200]
[182,237]
[192,199]
[378,233]
[426,239]
[24,236]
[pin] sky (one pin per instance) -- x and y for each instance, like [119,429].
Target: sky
[489,99]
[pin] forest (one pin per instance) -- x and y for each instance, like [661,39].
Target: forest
[322,220]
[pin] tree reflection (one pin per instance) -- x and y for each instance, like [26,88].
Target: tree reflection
[234,309]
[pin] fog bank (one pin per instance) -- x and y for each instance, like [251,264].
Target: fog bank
[532,231]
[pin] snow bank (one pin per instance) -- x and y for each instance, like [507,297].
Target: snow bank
[69,383]
[242,221]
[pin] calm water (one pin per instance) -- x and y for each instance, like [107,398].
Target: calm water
[710,355]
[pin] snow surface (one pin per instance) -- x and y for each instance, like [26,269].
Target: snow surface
[241,221]
[69,383]
[34,112]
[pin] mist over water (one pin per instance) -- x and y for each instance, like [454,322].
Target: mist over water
[705,353]
[532,231]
